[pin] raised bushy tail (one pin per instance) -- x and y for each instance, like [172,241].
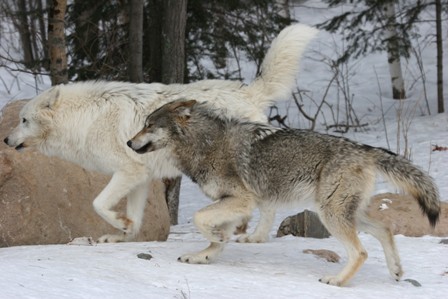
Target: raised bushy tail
[281,65]
[402,173]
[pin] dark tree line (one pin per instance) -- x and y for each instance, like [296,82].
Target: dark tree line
[102,42]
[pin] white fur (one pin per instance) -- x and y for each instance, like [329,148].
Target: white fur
[89,123]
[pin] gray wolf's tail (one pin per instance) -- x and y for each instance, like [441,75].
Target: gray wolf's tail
[411,179]
[281,65]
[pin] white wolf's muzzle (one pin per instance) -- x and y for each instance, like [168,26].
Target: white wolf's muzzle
[17,147]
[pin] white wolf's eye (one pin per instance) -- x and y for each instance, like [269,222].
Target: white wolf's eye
[24,120]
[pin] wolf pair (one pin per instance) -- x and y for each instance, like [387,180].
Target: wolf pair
[89,123]
[247,165]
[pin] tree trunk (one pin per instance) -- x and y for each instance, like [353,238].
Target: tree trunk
[86,34]
[25,35]
[153,51]
[56,42]
[173,38]
[173,60]
[393,56]
[439,40]
[135,67]
[43,32]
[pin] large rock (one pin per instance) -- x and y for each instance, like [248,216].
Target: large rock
[403,215]
[305,224]
[400,212]
[47,201]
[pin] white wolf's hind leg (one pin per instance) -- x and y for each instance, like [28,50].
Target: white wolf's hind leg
[205,256]
[386,238]
[261,233]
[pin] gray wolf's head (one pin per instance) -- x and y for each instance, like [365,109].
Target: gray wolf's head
[34,121]
[161,126]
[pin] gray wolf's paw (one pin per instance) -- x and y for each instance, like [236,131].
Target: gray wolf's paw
[246,238]
[194,258]
[111,238]
[331,280]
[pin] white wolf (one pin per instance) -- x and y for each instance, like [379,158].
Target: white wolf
[89,123]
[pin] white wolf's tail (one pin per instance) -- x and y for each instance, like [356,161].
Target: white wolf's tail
[281,65]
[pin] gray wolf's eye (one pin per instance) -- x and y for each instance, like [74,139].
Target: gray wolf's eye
[24,120]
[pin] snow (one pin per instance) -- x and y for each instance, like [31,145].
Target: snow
[279,268]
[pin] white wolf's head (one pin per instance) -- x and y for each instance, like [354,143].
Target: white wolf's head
[35,120]
[161,126]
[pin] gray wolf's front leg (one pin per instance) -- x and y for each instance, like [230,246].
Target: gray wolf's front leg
[217,222]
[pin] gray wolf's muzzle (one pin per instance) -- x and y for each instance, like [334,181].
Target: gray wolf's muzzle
[141,150]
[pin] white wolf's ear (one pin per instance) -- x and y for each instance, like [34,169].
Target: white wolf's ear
[52,98]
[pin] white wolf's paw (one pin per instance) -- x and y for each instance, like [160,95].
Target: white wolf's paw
[396,272]
[126,224]
[194,258]
[331,280]
[246,238]
[111,238]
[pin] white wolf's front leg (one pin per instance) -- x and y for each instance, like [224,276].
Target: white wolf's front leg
[261,233]
[122,184]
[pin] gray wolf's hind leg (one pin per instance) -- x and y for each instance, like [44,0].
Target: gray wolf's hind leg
[261,233]
[122,184]
[338,212]
[386,238]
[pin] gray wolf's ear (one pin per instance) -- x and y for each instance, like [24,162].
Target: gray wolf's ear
[182,108]
[52,98]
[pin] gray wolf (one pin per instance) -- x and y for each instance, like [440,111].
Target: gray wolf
[247,165]
[88,123]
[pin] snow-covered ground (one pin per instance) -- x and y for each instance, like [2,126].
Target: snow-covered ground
[278,269]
